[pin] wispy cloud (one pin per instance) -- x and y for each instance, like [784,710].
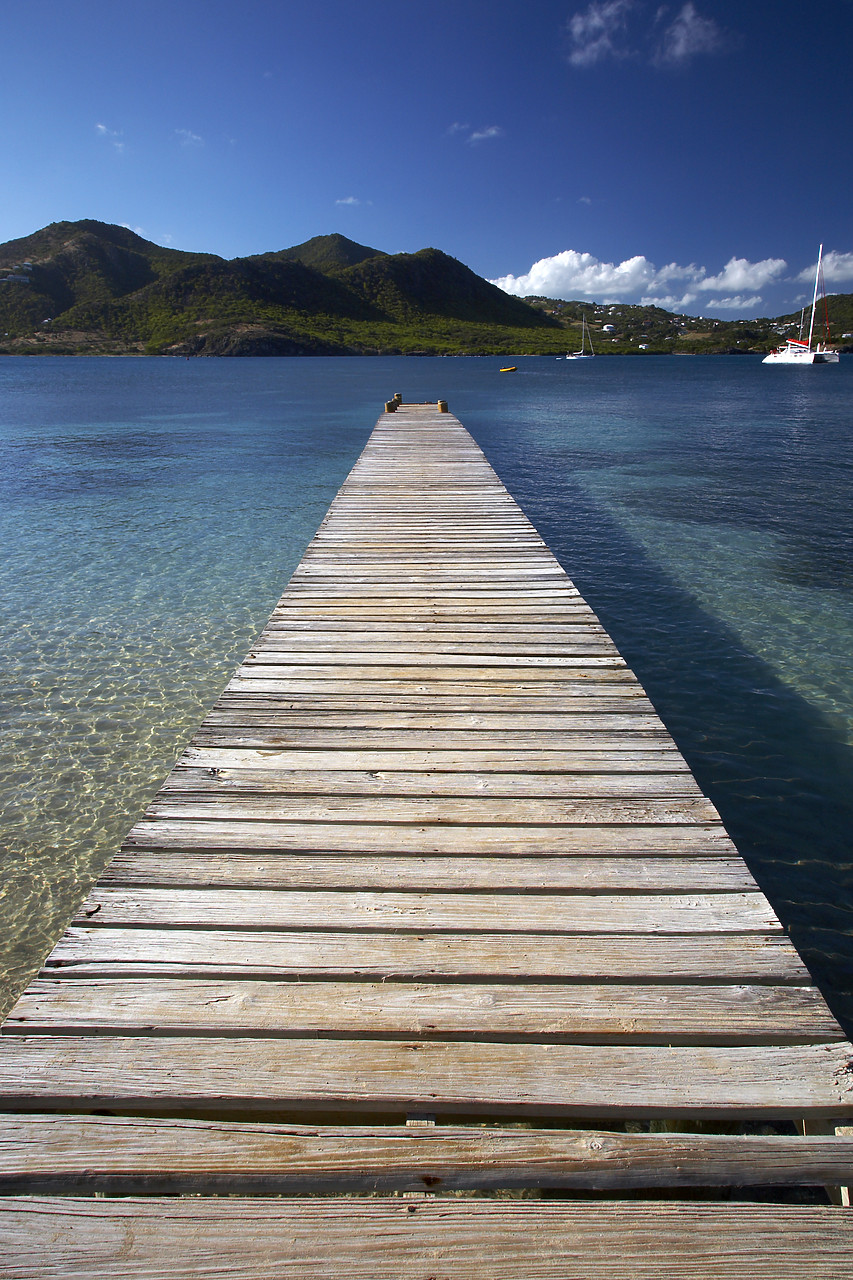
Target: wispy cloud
[485,135]
[571,274]
[113,136]
[738,303]
[187,138]
[686,37]
[353,200]
[475,136]
[599,32]
[623,29]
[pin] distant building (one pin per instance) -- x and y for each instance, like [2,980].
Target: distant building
[608,328]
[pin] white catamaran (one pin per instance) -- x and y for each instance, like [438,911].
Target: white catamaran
[795,351]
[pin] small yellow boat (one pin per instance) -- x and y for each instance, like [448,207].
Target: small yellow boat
[511,368]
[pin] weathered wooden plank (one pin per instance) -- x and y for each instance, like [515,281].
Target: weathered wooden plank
[224,780]
[123,1156]
[399,565]
[343,837]
[370,648]
[411,647]
[438,609]
[457,573]
[479,666]
[589,669]
[656,759]
[199,1239]
[575,624]
[423,912]
[331,953]
[490,810]
[462,596]
[545,1013]
[468,631]
[591,712]
[597,718]
[314,871]
[254,1074]
[428,737]
[599,684]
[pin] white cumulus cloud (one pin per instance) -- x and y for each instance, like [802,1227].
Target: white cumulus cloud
[836,268]
[740,274]
[572,274]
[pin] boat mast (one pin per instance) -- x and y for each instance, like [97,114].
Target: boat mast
[814,299]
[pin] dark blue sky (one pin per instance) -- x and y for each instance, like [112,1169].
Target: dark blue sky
[692,153]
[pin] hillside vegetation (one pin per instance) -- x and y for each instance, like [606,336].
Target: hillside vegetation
[87,287]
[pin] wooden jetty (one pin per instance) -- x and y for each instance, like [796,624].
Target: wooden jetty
[430,905]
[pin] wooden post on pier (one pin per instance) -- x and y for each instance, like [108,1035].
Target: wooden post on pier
[431,854]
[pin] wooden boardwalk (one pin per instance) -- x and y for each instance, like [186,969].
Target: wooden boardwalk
[431,903]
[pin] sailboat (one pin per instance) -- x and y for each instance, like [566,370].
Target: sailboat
[583,354]
[795,351]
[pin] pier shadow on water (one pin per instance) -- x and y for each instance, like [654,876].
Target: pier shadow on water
[778,770]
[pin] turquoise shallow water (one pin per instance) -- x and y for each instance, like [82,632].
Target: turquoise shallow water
[152,510]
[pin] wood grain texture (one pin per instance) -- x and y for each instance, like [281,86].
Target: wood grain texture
[492,761]
[230,1074]
[69,1154]
[354,871]
[221,780]
[421,838]
[550,1012]
[201,1239]
[330,953]
[425,912]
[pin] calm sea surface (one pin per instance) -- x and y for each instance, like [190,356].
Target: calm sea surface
[152,510]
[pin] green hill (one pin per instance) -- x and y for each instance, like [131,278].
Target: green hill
[86,287]
[91,288]
[324,253]
[227,308]
[624,329]
[412,286]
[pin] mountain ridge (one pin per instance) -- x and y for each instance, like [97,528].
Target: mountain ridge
[89,287]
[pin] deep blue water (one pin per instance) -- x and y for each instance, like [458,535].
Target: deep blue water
[152,510]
